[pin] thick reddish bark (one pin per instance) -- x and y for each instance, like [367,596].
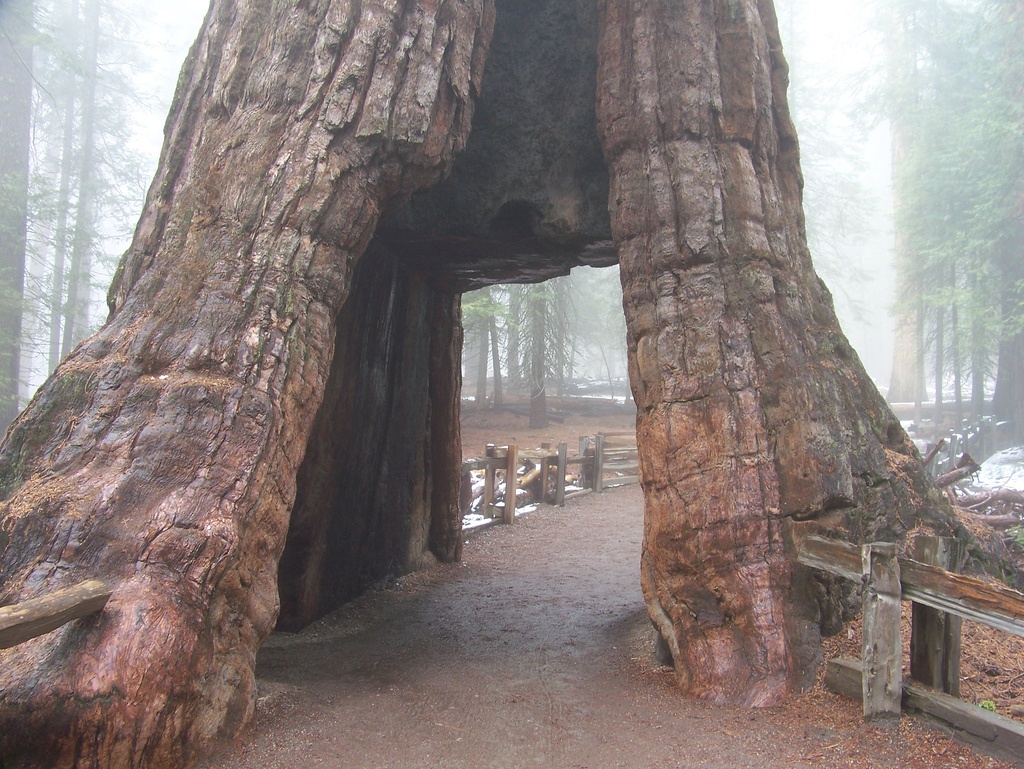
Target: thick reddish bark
[753,411]
[163,454]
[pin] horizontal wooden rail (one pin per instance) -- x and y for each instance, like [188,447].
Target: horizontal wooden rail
[36,616]
[990,731]
[967,597]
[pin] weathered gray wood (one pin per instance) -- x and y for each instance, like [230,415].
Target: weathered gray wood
[615,483]
[833,556]
[967,597]
[511,484]
[995,734]
[487,507]
[844,676]
[563,453]
[545,472]
[882,646]
[34,617]
[598,463]
[935,635]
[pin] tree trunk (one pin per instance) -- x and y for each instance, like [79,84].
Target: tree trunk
[163,454]
[15,132]
[940,366]
[756,421]
[496,363]
[538,358]
[483,334]
[76,309]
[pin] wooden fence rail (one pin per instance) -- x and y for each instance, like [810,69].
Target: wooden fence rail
[606,460]
[28,619]
[941,599]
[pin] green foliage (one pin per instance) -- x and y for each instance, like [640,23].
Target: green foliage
[988,705]
[1017,535]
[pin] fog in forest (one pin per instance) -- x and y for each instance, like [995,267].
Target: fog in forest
[103,73]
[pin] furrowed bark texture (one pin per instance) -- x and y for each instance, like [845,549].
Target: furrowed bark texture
[163,453]
[753,411]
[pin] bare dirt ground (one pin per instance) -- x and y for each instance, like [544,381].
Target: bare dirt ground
[533,652]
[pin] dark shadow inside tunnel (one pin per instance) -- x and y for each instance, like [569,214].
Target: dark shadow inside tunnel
[527,200]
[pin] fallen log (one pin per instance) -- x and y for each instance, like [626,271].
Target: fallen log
[965,468]
[995,521]
[1004,496]
[933,451]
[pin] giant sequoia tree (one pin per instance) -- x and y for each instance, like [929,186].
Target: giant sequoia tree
[270,361]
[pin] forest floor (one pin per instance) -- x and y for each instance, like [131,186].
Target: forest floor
[534,651]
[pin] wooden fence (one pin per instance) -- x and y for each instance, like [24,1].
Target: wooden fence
[981,440]
[604,461]
[941,600]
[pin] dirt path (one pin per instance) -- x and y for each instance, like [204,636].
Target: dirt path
[534,652]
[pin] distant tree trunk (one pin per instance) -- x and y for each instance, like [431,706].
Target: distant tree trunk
[906,383]
[958,385]
[68,161]
[496,363]
[163,454]
[756,421]
[979,360]
[483,333]
[514,334]
[76,309]
[1008,403]
[940,366]
[538,357]
[15,132]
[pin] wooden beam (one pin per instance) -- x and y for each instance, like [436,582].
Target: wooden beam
[563,455]
[487,507]
[831,555]
[935,641]
[511,484]
[882,646]
[598,463]
[36,616]
[967,597]
[993,733]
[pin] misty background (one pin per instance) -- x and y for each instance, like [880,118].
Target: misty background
[104,73]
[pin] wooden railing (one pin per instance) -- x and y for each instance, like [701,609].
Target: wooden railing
[36,616]
[941,600]
[604,461]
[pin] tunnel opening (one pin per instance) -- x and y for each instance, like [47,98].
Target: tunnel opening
[526,200]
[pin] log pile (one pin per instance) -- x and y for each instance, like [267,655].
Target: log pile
[996,511]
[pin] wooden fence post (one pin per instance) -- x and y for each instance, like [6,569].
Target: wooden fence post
[882,647]
[545,474]
[487,508]
[511,484]
[598,463]
[563,455]
[935,635]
